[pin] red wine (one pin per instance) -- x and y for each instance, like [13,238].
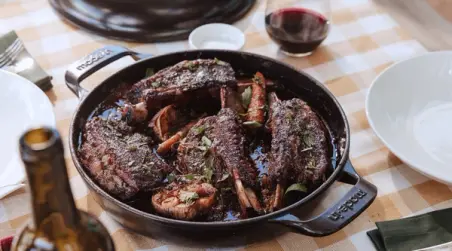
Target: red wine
[297,30]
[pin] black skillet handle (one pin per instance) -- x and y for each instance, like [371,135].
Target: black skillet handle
[93,62]
[343,212]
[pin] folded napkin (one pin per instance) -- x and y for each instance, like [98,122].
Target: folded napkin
[15,58]
[413,233]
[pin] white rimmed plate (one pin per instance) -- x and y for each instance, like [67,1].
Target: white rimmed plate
[409,106]
[24,106]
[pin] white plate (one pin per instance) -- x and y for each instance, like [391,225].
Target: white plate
[409,106]
[216,36]
[24,106]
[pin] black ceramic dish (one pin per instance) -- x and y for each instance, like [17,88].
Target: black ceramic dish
[318,97]
[148,20]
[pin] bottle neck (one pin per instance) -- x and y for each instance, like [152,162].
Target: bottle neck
[54,210]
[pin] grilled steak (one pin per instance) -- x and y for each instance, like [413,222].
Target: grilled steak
[215,148]
[218,141]
[230,146]
[199,78]
[299,150]
[299,145]
[195,154]
[120,159]
[182,77]
[190,194]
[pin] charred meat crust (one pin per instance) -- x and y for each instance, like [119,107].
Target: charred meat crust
[230,145]
[223,158]
[299,144]
[120,159]
[183,77]
[193,153]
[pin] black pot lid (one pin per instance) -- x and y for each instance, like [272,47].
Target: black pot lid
[149,20]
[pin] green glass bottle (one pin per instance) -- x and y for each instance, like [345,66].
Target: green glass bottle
[56,224]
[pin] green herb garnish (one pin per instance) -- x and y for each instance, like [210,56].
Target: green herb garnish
[219,62]
[191,66]
[132,148]
[209,166]
[189,176]
[289,116]
[198,130]
[297,187]
[188,197]
[308,140]
[246,97]
[155,84]
[171,177]
[149,72]
[209,162]
[311,164]
[208,173]
[226,189]
[206,141]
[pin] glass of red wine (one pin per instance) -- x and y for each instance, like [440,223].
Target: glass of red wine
[297,26]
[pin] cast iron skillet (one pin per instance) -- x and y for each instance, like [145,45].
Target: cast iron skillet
[318,97]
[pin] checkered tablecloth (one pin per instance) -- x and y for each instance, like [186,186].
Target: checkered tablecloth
[363,42]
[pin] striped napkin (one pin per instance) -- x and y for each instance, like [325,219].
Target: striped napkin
[15,58]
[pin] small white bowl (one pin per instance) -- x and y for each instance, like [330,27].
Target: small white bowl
[216,36]
[409,106]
